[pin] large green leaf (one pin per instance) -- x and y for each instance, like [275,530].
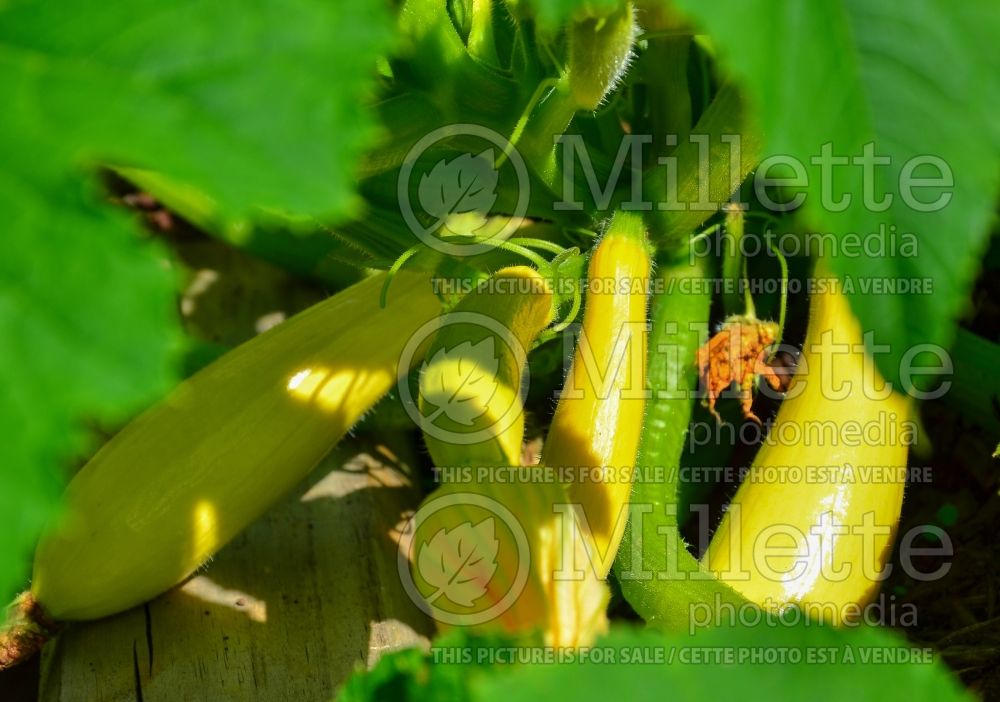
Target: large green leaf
[767,661]
[913,80]
[410,675]
[793,663]
[88,324]
[259,105]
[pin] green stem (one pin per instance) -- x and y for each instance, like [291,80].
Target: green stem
[705,233]
[734,266]
[537,144]
[542,244]
[540,263]
[727,115]
[396,266]
[522,121]
[783,304]
[574,310]
[749,309]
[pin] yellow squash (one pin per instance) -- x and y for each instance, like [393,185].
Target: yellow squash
[192,472]
[493,552]
[598,421]
[814,520]
[506,555]
[470,389]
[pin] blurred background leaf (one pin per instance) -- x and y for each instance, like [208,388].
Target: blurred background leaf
[89,329]
[695,665]
[858,664]
[260,106]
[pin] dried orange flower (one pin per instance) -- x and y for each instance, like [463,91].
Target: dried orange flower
[737,353]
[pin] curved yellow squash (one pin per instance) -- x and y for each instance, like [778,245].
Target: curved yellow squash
[192,472]
[470,387]
[814,521]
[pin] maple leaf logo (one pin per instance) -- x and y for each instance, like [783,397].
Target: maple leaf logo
[459,563]
[459,382]
[463,185]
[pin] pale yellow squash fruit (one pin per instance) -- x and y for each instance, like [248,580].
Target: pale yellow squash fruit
[192,472]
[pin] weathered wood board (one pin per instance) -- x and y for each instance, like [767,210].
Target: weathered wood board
[283,613]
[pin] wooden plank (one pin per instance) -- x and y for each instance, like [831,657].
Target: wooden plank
[285,612]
